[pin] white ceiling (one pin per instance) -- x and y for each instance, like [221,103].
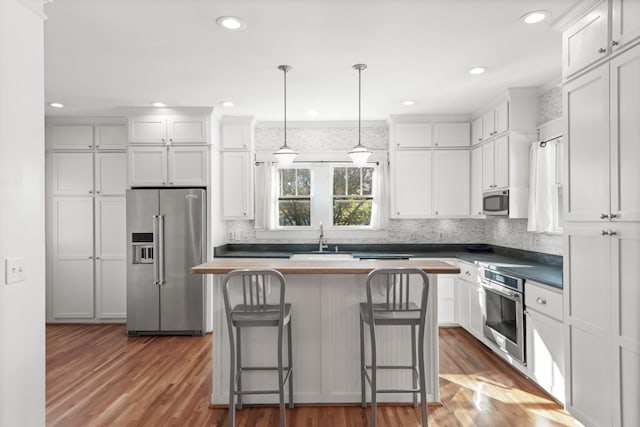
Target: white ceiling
[104,54]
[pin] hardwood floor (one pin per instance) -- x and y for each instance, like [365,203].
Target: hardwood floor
[97,376]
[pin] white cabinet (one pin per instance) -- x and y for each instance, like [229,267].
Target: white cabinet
[110,170]
[174,129]
[602,150]
[495,164]
[410,184]
[476,131]
[237,185]
[237,133]
[446,299]
[545,347]
[585,41]
[71,174]
[602,325]
[110,137]
[469,299]
[452,134]
[154,166]
[476,181]
[412,134]
[85,136]
[495,121]
[625,19]
[451,182]
[110,257]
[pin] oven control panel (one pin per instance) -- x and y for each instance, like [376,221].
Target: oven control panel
[515,283]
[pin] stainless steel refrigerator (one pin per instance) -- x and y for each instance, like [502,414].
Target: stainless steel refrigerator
[166,236]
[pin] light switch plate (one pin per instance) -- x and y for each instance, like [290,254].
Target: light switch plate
[14,270]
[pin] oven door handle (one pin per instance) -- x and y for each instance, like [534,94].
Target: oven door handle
[514,296]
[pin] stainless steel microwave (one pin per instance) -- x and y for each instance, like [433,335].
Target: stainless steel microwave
[495,202]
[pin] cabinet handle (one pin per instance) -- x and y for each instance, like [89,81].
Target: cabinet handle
[612,215]
[468,273]
[611,233]
[604,233]
[614,43]
[604,216]
[602,50]
[541,300]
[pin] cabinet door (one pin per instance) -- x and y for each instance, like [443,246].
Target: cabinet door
[446,299]
[236,136]
[586,108]
[587,324]
[451,182]
[110,137]
[585,41]
[237,185]
[625,129]
[462,303]
[476,310]
[451,134]
[502,117]
[72,257]
[488,124]
[626,325]
[501,166]
[71,174]
[488,161]
[187,129]
[110,174]
[545,352]
[410,184]
[413,135]
[147,166]
[71,137]
[148,129]
[110,252]
[476,131]
[188,166]
[625,19]
[476,181]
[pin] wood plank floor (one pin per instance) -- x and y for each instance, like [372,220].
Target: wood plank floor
[97,376]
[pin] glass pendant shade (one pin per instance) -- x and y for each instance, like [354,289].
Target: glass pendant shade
[359,155]
[285,156]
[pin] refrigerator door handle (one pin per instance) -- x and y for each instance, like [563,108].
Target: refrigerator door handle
[155,249]
[161,249]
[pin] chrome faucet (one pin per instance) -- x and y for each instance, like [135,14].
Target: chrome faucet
[322,243]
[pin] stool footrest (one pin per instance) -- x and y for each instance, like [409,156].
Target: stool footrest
[262,368]
[415,368]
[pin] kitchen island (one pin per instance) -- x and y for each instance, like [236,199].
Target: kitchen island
[326,354]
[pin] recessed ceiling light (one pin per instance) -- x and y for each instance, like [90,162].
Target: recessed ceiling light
[408,102]
[312,112]
[477,70]
[231,23]
[535,16]
[56,105]
[227,104]
[158,104]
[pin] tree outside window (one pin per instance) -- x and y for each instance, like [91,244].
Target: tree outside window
[294,197]
[352,196]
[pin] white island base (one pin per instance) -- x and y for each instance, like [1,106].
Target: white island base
[326,345]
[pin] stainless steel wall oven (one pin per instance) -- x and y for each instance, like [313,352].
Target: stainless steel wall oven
[504,312]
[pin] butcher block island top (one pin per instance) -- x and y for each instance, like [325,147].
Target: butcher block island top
[287,266]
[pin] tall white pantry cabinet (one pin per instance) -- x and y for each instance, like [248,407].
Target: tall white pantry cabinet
[86,182]
[601,103]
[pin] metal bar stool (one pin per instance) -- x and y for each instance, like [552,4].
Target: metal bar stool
[396,309]
[258,308]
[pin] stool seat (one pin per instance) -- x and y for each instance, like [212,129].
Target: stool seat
[261,315]
[385,314]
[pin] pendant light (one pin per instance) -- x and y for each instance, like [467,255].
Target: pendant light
[285,155]
[359,155]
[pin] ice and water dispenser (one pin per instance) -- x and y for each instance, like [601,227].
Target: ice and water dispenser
[142,248]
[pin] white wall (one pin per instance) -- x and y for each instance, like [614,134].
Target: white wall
[22,325]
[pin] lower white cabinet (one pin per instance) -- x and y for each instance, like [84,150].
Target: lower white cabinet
[446,299]
[110,257]
[469,299]
[545,347]
[160,166]
[237,185]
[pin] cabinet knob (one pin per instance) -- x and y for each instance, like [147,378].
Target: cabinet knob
[171,183]
[90,257]
[614,43]
[97,257]
[436,143]
[479,139]
[164,183]
[397,213]
[436,212]
[479,213]
[90,192]
[170,139]
[602,50]
[541,300]
[611,233]
[468,273]
[97,192]
[613,215]
[163,140]
[604,232]
[604,216]
[244,213]
[90,146]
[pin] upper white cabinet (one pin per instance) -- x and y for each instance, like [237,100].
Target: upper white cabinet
[237,185]
[411,184]
[66,135]
[451,182]
[476,131]
[412,134]
[71,174]
[110,170]
[603,151]
[159,166]
[237,133]
[451,134]
[625,20]
[172,129]
[495,161]
[476,181]
[495,121]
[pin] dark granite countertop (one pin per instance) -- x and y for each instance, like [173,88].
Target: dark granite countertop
[543,268]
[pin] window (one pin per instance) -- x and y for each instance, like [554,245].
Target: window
[352,196]
[294,197]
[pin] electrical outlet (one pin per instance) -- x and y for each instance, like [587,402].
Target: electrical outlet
[441,235]
[14,270]
[231,235]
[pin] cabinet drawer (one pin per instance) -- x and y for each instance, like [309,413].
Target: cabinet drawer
[468,272]
[543,299]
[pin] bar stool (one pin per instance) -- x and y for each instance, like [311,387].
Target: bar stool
[395,309]
[258,308]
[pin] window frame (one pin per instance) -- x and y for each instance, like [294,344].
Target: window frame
[369,226]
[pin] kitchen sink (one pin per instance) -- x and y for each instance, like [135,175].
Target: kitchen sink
[321,256]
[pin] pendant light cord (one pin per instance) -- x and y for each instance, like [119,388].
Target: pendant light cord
[285,107]
[359,102]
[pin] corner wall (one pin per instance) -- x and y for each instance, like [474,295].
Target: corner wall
[22,305]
